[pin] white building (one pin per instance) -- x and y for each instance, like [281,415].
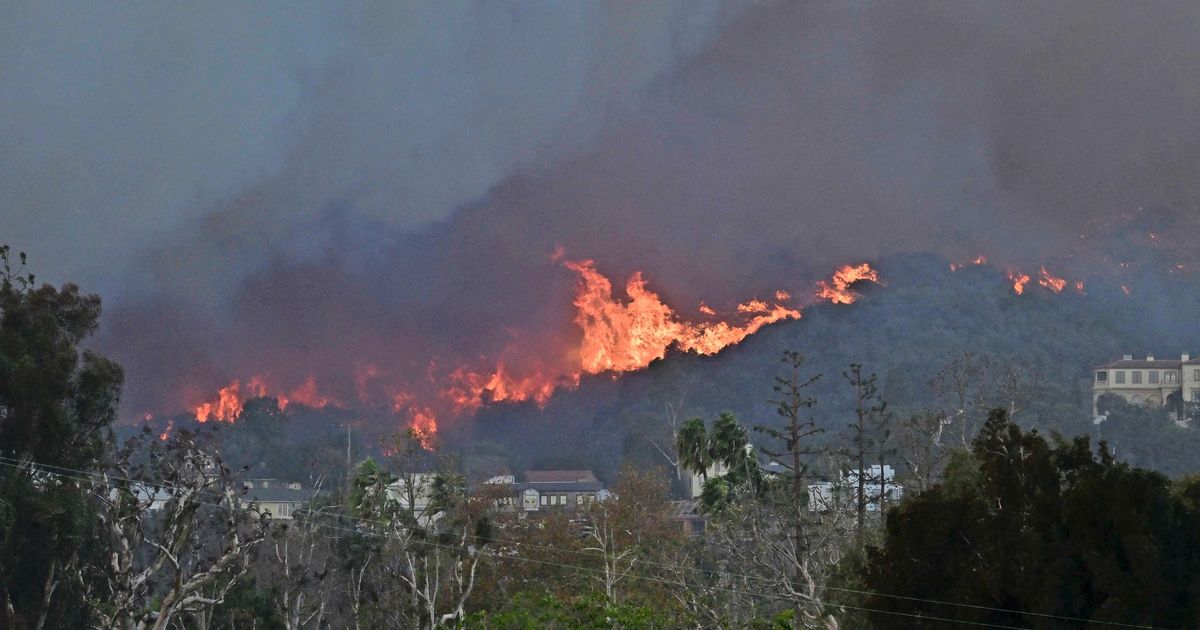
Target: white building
[824,496]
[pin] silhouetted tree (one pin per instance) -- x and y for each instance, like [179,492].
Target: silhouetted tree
[57,403]
[1029,532]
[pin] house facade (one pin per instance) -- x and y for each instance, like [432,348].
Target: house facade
[1149,381]
[551,490]
[279,499]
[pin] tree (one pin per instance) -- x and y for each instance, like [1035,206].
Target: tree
[791,403]
[630,531]
[57,403]
[180,537]
[868,434]
[1021,531]
[693,448]
[422,534]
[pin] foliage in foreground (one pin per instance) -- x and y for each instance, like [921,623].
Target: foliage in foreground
[1023,526]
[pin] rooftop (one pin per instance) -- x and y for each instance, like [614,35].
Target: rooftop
[1149,363]
[560,476]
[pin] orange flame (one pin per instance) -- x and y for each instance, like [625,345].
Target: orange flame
[424,427]
[618,334]
[1019,280]
[470,389]
[621,336]
[838,289]
[167,431]
[1051,282]
[230,400]
[979,260]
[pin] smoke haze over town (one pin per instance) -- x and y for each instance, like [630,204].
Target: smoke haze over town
[322,193]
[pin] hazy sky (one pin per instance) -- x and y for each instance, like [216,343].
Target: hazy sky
[252,185]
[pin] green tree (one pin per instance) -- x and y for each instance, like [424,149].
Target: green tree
[1026,530]
[57,404]
[693,447]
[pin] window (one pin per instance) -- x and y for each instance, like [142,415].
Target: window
[545,500]
[1171,376]
[285,509]
[1137,377]
[1196,375]
[1120,377]
[1196,396]
[1153,374]
[1101,377]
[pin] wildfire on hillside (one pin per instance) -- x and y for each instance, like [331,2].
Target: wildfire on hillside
[617,335]
[838,290]
[979,260]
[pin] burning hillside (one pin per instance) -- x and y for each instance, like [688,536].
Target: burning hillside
[616,334]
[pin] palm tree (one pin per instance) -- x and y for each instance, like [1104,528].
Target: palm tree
[693,447]
[728,442]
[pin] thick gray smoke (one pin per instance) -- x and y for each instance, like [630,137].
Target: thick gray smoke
[303,191]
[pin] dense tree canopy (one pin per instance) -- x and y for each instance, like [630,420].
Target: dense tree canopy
[57,402]
[1032,532]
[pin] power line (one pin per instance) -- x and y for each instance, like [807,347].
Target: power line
[91,475]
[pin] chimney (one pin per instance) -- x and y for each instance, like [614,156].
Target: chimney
[1128,357]
[1149,357]
[1185,357]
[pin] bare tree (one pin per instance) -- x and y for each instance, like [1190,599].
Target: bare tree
[179,535]
[630,531]
[791,403]
[970,385]
[304,564]
[423,531]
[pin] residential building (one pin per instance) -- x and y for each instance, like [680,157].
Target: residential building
[1148,381]
[548,490]
[828,495]
[415,489]
[279,499]
[693,483]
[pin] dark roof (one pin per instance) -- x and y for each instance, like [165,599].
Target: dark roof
[567,486]
[1140,364]
[276,495]
[559,476]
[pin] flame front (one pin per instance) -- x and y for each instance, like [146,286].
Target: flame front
[1019,280]
[230,400]
[1051,282]
[622,336]
[618,334]
[423,424]
[837,290]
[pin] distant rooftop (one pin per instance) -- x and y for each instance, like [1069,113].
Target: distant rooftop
[560,476]
[1149,363]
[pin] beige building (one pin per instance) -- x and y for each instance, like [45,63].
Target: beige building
[279,499]
[1148,381]
[551,490]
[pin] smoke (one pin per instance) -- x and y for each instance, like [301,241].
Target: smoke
[302,191]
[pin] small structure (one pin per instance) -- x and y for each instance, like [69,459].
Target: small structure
[687,514]
[279,499]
